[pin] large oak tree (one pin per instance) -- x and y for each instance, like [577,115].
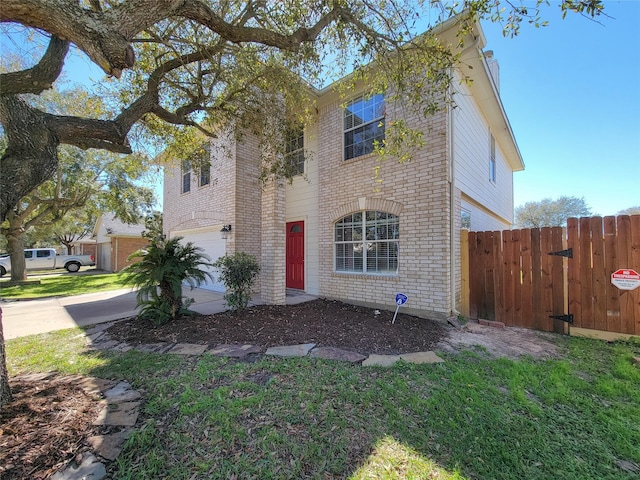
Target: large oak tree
[181,62]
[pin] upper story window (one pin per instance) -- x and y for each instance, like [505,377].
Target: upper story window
[294,151]
[186,176]
[492,158]
[204,165]
[363,125]
[367,242]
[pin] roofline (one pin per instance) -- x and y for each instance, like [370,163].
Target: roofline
[447,30]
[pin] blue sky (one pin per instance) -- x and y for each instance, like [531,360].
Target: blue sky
[572,94]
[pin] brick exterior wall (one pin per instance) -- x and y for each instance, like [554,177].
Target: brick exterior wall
[121,248]
[247,199]
[417,191]
[205,206]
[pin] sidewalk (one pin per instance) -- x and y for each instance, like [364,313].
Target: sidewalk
[21,318]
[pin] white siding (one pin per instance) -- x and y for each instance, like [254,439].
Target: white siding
[302,204]
[471,152]
[103,257]
[481,219]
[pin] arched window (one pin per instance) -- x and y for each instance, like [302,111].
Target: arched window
[367,242]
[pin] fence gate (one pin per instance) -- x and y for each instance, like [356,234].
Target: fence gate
[526,278]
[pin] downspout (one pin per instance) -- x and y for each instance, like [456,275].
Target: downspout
[452,191]
[116,264]
[452,207]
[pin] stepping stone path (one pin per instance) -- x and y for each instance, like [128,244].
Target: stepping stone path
[120,402]
[119,409]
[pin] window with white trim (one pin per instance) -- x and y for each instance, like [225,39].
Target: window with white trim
[367,242]
[492,158]
[294,151]
[186,176]
[363,125]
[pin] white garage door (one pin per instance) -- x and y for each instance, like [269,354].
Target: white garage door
[212,245]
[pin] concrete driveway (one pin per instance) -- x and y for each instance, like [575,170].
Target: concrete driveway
[29,317]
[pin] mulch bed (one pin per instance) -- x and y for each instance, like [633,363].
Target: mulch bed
[45,426]
[326,323]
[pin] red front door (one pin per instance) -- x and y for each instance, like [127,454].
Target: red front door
[295,255]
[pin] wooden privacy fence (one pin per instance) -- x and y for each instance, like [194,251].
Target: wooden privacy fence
[511,277]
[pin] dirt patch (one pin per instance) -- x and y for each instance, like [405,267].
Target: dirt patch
[507,342]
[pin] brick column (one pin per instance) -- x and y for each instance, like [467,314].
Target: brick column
[273,272]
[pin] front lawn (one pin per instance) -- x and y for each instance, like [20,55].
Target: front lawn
[63,285]
[473,416]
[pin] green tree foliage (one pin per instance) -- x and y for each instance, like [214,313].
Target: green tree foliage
[63,208]
[550,213]
[153,230]
[630,211]
[72,227]
[238,272]
[159,273]
[246,63]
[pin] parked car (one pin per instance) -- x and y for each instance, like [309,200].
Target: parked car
[47,259]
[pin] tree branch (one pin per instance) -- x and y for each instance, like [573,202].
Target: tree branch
[39,77]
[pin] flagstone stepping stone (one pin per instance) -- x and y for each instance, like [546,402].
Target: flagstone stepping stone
[122,392]
[88,469]
[380,360]
[95,337]
[332,353]
[154,347]
[238,351]
[108,345]
[421,357]
[123,414]
[101,327]
[36,377]
[93,386]
[187,349]
[110,446]
[122,347]
[291,350]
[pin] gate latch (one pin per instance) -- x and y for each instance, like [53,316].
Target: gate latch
[565,318]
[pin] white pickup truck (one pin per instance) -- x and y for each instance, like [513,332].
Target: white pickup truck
[46,259]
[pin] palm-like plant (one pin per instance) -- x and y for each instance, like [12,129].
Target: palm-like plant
[164,266]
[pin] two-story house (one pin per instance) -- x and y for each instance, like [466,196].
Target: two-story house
[350,227]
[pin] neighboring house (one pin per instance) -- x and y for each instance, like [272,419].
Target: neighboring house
[84,246]
[335,231]
[115,241]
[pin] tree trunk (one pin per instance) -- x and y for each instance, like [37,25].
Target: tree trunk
[15,247]
[5,389]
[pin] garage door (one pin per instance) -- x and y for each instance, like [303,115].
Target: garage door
[212,245]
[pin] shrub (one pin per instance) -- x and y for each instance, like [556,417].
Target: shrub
[238,272]
[159,274]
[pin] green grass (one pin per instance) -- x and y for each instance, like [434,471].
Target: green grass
[64,285]
[470,417]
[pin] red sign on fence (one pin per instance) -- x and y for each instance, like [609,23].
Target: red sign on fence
[625,279]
